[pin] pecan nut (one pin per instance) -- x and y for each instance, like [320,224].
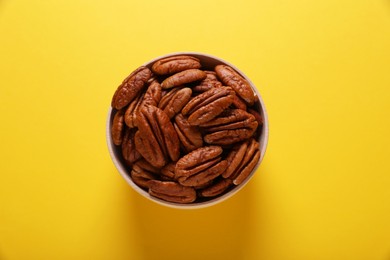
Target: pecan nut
[130,154]
[216,188]
[156,139]
[211,81]
[208,105]
[241,161]
[175,100]
[130,87]
[142,175]
[232,126]
[171,191]
[239,103]
[231,78]
[117,127]
[145,165]
[200,166]
[183,77]
[132,111]
[168,172]
[151,97]
[189,135]
[175,64]
[203,185]
[153,94]
[257,115]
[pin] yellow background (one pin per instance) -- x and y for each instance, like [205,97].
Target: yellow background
[322,67]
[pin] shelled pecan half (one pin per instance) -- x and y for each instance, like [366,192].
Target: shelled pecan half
[230,127]
[239,103]
[241,161]
[156,139]
[130,87]
[200,166]
[189,135]
[208,105]
[217,188]
[183,77]
[132,111]
[145,165]
[175,100]
[231,78]
[141,176]
[130,154]
[168,172]
[175,64]
[117,127]
[153,94]
[211,81]
[257,115]
[171,191]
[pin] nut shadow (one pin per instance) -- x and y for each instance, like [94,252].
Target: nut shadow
[209,233]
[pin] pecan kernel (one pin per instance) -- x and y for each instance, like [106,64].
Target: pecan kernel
[183,77]
[156,139]
[230,127]
[175,100]
[117,127]
[200,166]
[231,78]
[171,191]
[175,64]
[130,87]
[190,136]
[208,105]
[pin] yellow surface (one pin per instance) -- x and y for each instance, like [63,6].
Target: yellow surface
[322,67]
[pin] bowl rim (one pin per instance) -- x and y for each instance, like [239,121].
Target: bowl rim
[263,145]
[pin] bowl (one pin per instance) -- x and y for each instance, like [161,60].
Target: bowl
[208,63]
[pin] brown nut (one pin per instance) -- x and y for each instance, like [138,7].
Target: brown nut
[231,78]
[151,97]
[117,127]
[203,185]
[153,94]
[208,105]
[130,87]
[132,111]
[200,166]
[175,64]
[145,165]
[239,103]
[175,100]
[216,188]
[141,176]
[168,172]
[130,154]
[211,81]
[171,191]
[190,136]
[232,126]
[156,139]
[183,77]
[241,161]
[257,115]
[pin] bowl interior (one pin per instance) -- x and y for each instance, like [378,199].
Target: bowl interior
[208,62]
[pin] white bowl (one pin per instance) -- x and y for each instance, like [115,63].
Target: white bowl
[208,62]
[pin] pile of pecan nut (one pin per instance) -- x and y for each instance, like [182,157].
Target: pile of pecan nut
[186,133]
